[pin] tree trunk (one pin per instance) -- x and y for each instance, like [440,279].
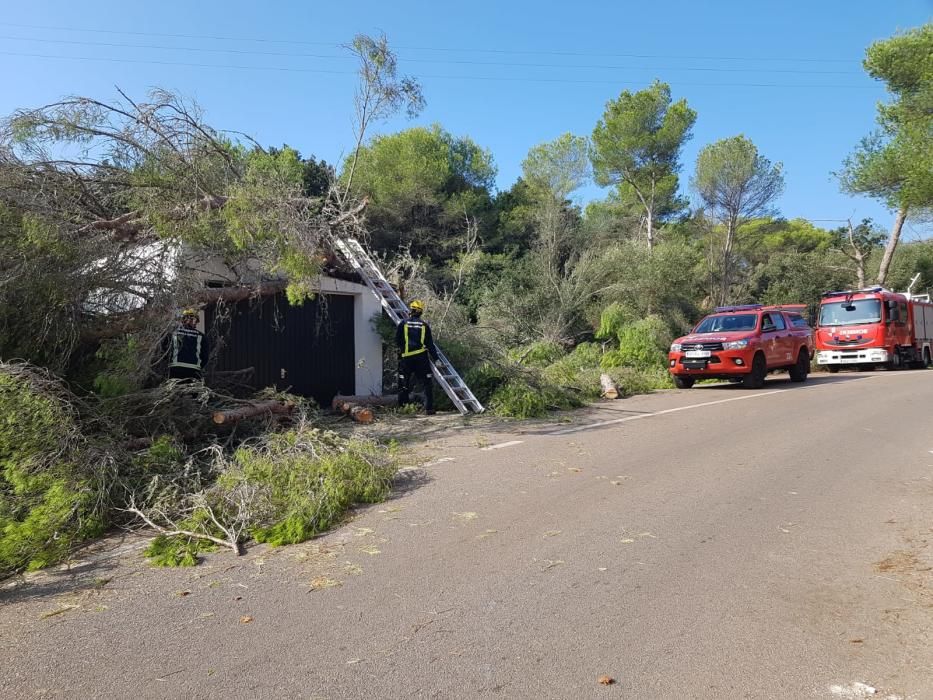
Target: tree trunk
[232,295]
[858,256]
[234,415]
[726,280]
[892,244]
[650,217]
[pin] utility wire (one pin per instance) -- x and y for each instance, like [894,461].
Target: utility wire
[286,69]
[434,48]
[202,49]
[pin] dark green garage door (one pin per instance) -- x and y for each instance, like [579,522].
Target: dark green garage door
[307,349]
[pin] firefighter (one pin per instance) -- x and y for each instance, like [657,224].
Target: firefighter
[189,348]
[415,344]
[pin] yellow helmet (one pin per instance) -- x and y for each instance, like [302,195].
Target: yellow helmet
[190,312]
[417,305]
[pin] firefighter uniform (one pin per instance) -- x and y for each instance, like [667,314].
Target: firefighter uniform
[416,345]
[188,353]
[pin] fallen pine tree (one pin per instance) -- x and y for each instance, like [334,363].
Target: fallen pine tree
[73,467]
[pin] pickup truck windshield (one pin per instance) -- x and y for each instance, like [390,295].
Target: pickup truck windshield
[732,322]
[841,313]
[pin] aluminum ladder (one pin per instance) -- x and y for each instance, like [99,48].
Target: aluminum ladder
[448,377]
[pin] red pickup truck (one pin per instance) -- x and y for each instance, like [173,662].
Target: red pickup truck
[744,343]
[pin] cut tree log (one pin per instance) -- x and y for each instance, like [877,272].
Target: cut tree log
[343,403]
[609,388]
[232,415]
[362,414]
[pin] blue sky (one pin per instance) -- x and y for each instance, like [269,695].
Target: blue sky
[508,74]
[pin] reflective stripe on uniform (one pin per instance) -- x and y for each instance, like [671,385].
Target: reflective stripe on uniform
[408,352]
[176,347]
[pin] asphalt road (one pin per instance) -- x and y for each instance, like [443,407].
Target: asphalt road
[711,543]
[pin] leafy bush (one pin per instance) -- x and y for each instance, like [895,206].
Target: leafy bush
[613,319]
[484,379]
[540,354]
[642,345]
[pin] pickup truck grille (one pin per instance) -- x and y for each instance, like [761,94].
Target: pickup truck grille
[702,346]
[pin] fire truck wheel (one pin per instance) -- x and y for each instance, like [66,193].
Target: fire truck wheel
[684,382]
[756,378]
[798,373]
[926,358]
[896,361]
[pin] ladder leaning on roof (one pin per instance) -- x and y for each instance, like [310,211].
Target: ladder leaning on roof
[446,375]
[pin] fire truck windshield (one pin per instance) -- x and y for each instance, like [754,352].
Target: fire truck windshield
[853,312]
[732,322]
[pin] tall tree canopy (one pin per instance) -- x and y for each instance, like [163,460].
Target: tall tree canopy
[736,183]
[895,163]
[636,147]
[422,183]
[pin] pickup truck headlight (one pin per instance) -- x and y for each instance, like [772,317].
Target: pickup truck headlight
[675,347]
[735,344]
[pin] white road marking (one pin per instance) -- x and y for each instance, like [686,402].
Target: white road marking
[501,445]
[640,416]
[440,460]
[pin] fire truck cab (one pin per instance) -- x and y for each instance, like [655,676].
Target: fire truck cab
[872,327]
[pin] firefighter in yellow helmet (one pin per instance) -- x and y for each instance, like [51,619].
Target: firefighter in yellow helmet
[415,345]
[189,351]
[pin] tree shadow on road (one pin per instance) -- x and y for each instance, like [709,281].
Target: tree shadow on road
[90,568]
[782,381]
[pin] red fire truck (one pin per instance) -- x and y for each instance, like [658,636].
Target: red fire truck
[865,328]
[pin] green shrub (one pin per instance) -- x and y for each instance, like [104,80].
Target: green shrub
[613,319]
[642,344]
[540,354]
[577,372]
[484,379]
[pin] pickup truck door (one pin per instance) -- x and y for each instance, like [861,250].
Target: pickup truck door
[774,338]
[787,340]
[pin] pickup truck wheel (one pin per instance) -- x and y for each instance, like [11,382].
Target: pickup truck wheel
[756,378]
[799,372]
[684,382]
